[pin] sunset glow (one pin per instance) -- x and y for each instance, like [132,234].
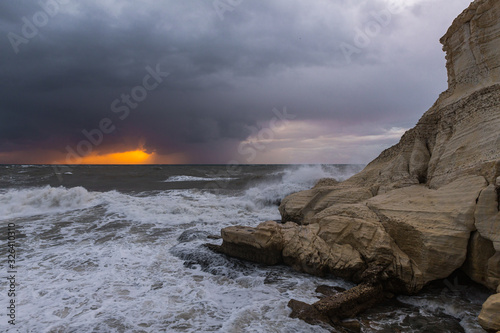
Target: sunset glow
[128,157]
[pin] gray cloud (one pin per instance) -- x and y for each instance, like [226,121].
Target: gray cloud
[225,75]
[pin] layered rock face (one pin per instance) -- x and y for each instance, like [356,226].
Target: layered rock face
[426,206]
[471,45]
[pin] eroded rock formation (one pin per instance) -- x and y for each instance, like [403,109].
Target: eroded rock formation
[425,207]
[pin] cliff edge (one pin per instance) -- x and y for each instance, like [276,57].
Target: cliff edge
[424,208]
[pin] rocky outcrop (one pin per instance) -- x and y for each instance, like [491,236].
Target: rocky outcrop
[432,227]
[426,206]
[297,246]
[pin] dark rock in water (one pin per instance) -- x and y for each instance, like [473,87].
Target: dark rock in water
[276,202]
[333,309]
[351,302]
[269,202]
[272,277]
[389,295]
[423,324]
[351,325]
[392,316]
[191,235]
[214,247]
[328,290]
[210,261]
[157,285]
[307,312]
[214,237]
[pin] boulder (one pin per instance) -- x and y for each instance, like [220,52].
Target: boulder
[306,251]
[432,227]
[359,226]
[482,262]
[487,215]
[263,244]
[302,206]
[489,318]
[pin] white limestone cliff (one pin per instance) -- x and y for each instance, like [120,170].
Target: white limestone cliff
[425,207]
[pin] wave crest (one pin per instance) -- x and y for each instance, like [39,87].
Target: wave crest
[36,201]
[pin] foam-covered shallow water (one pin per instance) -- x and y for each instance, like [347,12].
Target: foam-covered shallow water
[119,249]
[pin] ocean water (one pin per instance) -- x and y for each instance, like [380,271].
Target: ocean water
[120,249]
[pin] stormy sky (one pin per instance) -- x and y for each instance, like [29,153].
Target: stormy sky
[224,81]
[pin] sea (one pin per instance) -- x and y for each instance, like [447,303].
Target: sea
[121,249]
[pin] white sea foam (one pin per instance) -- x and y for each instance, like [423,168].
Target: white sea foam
[177,179]
[44,200]
[181,207]
[104,270]
[293,179]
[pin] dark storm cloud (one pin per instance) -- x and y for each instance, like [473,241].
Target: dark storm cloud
[226,75]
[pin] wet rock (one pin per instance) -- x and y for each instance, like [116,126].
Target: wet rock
[272,277]
[157,285]
[214,248]
[392,316]
[191,235]
[333,309]
[307,312]
[208,259]
[351,325]
[215,237]
[328,290]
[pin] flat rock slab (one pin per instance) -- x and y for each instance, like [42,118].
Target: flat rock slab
[333,309]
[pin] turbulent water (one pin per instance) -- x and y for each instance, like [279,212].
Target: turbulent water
[120,249]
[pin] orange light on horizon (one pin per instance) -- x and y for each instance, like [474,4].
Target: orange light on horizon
[128,157]
[137,156]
